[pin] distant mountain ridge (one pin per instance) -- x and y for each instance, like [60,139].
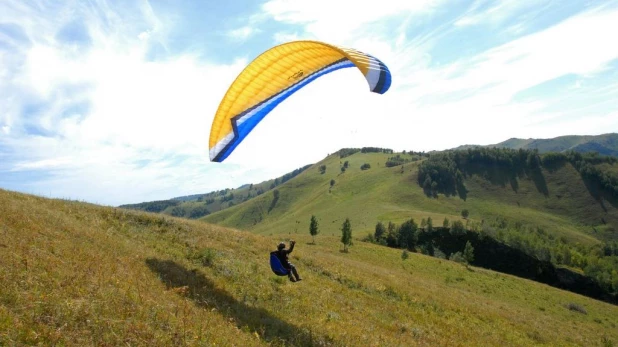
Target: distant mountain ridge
[605,144]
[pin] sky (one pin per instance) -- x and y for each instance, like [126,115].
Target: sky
[111,102]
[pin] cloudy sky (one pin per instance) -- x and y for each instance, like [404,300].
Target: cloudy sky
[111,102]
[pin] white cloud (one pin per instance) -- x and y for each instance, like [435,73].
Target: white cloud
[144,35]
[343,19]
[243,33]
[42,164]
[496,12]
[147,104]
[563,49]
[281,37]
[599,124]
[135,107]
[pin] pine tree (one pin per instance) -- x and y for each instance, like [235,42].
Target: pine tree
[346,234]
[380,231]
[468,252]
[408,234]
[313,227]
[457,228]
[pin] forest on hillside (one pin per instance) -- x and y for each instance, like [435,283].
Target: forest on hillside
[522,250]
[444,172]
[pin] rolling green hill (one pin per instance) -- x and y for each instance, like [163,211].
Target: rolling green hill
[381,193]
[605,144]
[76,274]
[552,213]
[199,205]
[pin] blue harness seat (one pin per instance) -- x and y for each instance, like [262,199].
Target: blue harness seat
[276,266]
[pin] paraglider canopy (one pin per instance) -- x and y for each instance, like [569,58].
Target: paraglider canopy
[275,75]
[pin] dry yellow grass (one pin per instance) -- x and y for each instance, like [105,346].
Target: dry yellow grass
[79,274]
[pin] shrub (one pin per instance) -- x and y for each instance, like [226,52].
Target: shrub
[438,253]
[457,228]
[465,213]
[577,308]
[369,238]
[198,212]
[206,256]
[457,257]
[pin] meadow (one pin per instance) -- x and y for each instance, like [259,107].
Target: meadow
[73,273]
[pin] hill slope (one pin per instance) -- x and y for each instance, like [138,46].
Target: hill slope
[78,274]
[553,213]
[561,203]
[199,205]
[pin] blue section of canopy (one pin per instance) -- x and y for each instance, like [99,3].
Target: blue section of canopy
[384,83]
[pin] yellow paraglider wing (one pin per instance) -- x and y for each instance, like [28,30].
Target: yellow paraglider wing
[276,74]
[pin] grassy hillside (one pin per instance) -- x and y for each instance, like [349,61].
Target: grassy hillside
[563,206]
[79,274]
[552,213]
[199,205]
[605,144]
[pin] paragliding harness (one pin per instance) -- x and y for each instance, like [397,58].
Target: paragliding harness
[276,266]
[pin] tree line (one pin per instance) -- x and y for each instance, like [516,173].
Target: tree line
[152,206]
[346,152]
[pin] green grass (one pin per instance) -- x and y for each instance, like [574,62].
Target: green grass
[79,274]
